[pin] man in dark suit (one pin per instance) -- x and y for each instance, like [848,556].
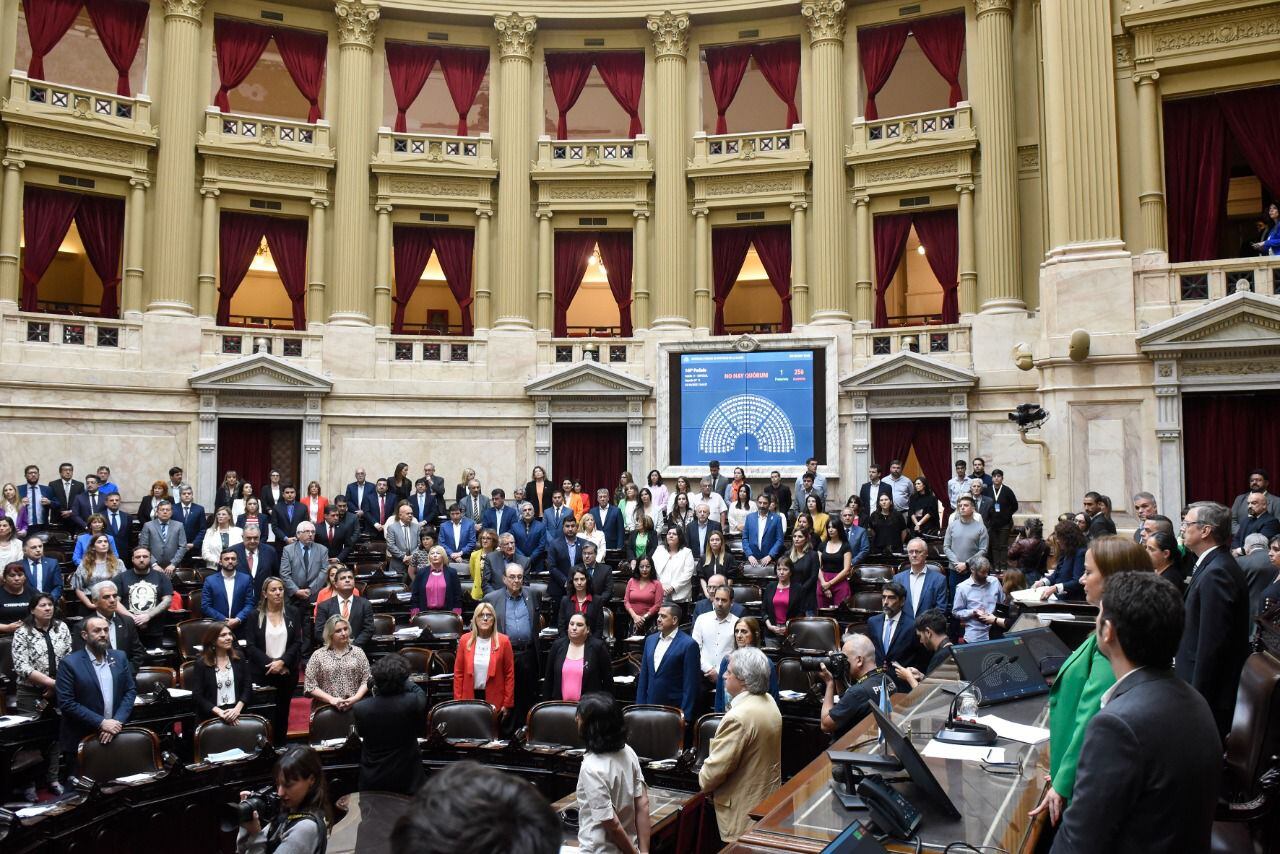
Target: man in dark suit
[457,536]
[122,633]
[1004,503]
[435,483]
[1149,766]
[86,503]
[356,610]
[64,490]
[516,608]
[982,503]
[119,523]
[869,493]
[215,603]
[1259,481]
[165,538]
[563,554]
[336,536]
[1258,521]
[553,517]
[530,537]
[256,559]
[714,583]
[495,563]
[762,534]
[358,493]
[191,516]
[697,531]
[1215,639]
[474,503]
[43,575]
[893,633]
[609,520]
[718,481]
[599,575]
[86,679]
[925,586]
[859,542]
[670,672]
[1100,525]
[423,502]
[498,516]
[379,508]
[42,508]
[287,515]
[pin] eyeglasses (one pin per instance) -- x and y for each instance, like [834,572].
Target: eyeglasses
[1186,524]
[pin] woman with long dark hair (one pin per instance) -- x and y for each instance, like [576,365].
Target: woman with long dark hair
[837,563]
[1163,550]
[578,664]
[887,528]
[610,774]
[1064,581]
[301,827]
[716,560]
[221,685]
[580,601]
[39,644]
[658,489]
[400,484]
[922,509]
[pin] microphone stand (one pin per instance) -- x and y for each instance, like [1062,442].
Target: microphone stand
[965,732]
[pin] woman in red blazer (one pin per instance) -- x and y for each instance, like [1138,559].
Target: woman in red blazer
[485,641]
[315,503]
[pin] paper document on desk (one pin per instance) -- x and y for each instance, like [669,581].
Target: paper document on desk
[1015,731]
[964,752]
[179,692]
[1031,596]
[226,755]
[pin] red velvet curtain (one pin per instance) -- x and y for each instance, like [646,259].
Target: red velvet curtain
[939,232]
[726,67]
[779,62]
[616,253]
[463,69]
[573,248]
[1195,176]
[303,54]
[941,39]
[1240,440]
[411,248]
[932,443]
[100,221]
[773,245]
[568,73]
[890,440]
[409,66]
[594,454]
[728,250]
[454,250]
[890,238]
[238,240]
[119,24]
[287,240]
[47,22]
[878,51]
[623,74]
[1253,117]
[239,46]
[245,447]
[46,218]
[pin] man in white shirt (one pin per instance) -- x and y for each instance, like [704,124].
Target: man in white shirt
[713,633]
[715,503]
[819,482]
[900,484]
[958,485]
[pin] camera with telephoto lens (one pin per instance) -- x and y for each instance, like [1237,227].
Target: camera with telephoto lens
[265,802]
[837,664]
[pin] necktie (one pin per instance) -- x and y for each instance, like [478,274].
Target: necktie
[164,534]
[37,575]
[288,509]
[34,495]
[93,503]
[249,556]
[888,635]
[115,522]
[382,508]
[306,553]
[346,609]
[328,532]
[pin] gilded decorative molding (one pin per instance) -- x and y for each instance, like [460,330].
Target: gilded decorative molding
[825,20]
[87,148]
[749,186]
[357,22]
[193,9]
[985,7]
[670,34]
[515,34]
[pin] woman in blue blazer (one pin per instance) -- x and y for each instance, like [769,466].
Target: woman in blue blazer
[1065,578]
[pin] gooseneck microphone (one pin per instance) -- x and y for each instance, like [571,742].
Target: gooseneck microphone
[966,732]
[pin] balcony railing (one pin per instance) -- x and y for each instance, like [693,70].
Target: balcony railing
[400,352]
[609,153]
[766,146]
[266,134]
[619,352]
[936,125]
[1189,285]
[219,343]
[77,104]
[61,330]
[472,151]
[923,336]
[753,328]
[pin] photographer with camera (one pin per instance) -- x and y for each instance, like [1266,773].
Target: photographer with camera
[867,684]
[296,812]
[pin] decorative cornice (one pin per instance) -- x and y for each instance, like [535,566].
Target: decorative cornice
[515,34]
[357,22]
[825,20]
[193,9]
[670,34]
[985,7]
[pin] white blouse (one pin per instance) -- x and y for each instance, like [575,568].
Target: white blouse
[225,679]
[484,646]
[276,638]
[675,572]
[212,548]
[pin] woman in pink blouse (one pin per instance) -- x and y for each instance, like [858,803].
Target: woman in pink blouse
[578,664]
[643,596]
[782,602]
[437,589]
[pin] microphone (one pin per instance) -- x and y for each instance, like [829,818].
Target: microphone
[965,732]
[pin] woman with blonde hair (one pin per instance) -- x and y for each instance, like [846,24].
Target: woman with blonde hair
[273,645]
[98,564]
[484,666]
[338,672]
[315,503]
[11,507]
[460,492]
[588,531]
[486,542]
[222,534]
[437,587]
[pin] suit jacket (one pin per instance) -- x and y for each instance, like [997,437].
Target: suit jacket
[297,572]
[204,686]
[984,507]
[699,547]
[344,537]
[82,508]
[452,590]
[904,647]
[495,568]
[50,580]
[771,546]
[594,615]
[1068,572]
[121,533]
[1003,518]
[464,544]
[501,682]
[223,497]
[355,503]
[401,543]
[361,619]
[65,497]
[932,595]
[531,542]
[255,637]
[490,518]
[859,544]
[531,495]
[650,546]
[744,765]
[284,526]
[127,641]
[168,549]
[611,524]
[677,681]
[1266,524]
[1149,771]
[388,728]
[425,509]
[532,601]
[474,509]
[47,514]
[213,599]
[193,522]
[1100,526]
[795,602]
[869,501]
[560,565]
[553,522]
[267,499]
[1240,507]
[80,697]
[1215,637]
[267,565]
[597,670]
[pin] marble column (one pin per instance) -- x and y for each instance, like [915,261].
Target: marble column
[640,271]
[968,296]
[173,287]
[483,266]
[546,273]
[382,269]
[1151,155]
[863,253]
[135,245]
[207,278]
[317,240]
[349,293]
[512,303]
[702,314]
[11,230]
[1080,131]
[1001,287]
[799,264]
[825,20]
[670,195]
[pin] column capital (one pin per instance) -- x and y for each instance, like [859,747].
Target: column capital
[986,7]
[484,213]
[210,192]
[965,187]
[320,203]
[515,34]
[544,214]
[799,206]
[670,34]
[382,209]
[825,20]
[357,22]
[1149,75]
[14,163]
[640,213]
[700,211]
[139,183]
[859,200]
[192,9]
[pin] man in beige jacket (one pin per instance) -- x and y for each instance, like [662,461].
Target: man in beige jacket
[745,762]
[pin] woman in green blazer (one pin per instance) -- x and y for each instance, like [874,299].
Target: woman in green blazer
[1077,692]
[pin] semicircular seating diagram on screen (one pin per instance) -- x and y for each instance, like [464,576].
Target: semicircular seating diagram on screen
[750,415]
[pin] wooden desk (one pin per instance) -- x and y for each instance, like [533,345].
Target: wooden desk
[664,810]
[804,815]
